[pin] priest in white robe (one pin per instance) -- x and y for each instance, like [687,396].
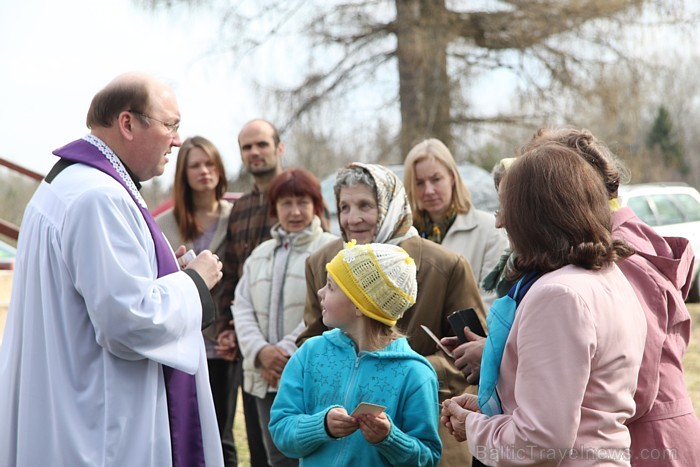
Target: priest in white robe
[102,361]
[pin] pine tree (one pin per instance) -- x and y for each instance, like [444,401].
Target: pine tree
[663,139]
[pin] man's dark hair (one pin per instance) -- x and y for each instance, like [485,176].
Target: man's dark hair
[115,98]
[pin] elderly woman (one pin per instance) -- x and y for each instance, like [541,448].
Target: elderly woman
[269,306]
[664,428]
[373,208]
[566,371]
[443,212]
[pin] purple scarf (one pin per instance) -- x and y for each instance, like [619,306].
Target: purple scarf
[183,411]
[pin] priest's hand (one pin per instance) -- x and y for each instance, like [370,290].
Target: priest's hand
[208,266]
[180,251]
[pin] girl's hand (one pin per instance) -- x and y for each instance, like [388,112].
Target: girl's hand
[339,423]
[374,427]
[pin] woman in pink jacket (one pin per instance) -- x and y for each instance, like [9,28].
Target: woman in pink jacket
[665,430]
[568,362]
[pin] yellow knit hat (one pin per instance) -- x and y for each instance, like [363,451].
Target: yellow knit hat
[380,279]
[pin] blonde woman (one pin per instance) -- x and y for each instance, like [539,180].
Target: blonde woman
[443,211]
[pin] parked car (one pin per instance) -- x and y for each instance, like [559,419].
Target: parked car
[7,256]
[673,210]
[478,180]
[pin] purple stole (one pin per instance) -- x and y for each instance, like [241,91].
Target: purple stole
[181,392]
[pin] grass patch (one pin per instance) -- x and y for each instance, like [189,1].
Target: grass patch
[239,434]
[691,362]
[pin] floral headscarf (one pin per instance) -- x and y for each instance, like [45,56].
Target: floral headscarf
[394,220]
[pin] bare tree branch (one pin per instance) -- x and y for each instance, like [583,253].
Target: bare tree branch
[551,47]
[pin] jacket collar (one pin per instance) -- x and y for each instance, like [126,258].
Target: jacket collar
[466,221]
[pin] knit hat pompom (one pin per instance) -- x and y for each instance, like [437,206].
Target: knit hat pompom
[380,279]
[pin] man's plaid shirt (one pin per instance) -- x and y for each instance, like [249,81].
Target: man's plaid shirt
[249,226]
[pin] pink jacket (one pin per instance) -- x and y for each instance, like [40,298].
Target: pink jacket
[568,374]
[660,273]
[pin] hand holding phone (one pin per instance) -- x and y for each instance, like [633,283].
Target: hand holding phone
[465,317]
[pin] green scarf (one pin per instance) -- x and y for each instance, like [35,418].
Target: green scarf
[436,231]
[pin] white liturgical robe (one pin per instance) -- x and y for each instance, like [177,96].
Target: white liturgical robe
[89,327]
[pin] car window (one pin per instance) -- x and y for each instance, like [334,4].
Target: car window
[690,207]
[641,208]
[667,211]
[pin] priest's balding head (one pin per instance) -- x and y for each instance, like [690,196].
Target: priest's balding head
[138,117]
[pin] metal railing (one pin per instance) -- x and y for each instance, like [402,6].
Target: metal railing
[8,228]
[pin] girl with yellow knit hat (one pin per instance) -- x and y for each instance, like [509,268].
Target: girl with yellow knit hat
[363,359]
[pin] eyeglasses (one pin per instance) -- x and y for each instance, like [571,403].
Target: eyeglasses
[173,127]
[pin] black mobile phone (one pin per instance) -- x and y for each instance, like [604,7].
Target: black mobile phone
[465,317]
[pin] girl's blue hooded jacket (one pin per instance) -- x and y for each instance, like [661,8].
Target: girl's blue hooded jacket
[328,372]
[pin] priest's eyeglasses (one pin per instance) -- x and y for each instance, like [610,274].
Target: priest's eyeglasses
[173,127]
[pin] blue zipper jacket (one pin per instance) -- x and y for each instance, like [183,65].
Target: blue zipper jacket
[328,372]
